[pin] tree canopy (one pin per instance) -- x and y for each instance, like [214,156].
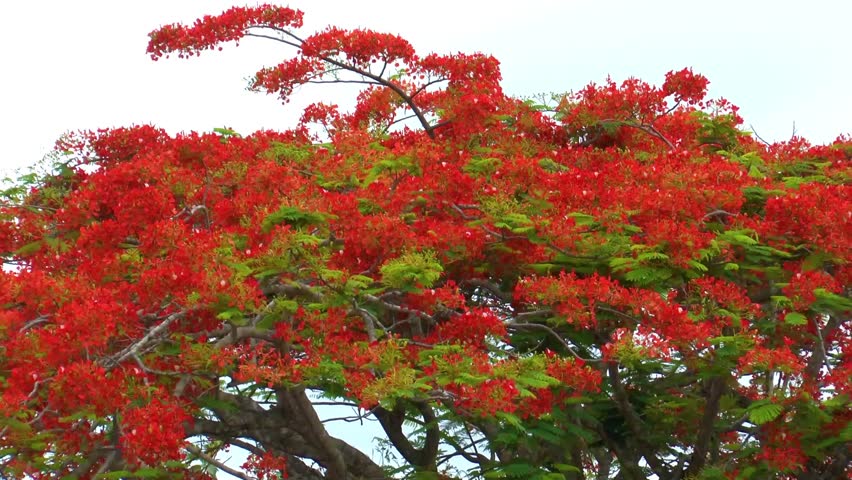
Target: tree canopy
[618,282]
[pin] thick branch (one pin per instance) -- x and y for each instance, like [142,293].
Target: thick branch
[299,406]
[819,357]
[629,466]
[715,388]
[634,423]
[392,422]
[280,430]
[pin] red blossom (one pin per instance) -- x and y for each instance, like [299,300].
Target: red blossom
[208,32]
[686,86]
[150,440]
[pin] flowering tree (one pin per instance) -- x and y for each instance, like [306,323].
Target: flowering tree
[616,283]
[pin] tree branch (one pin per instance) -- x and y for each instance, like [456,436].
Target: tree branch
[312,429]
[134,348]
[392,422]
[706,430]
[634,423]
[408,99]
[554,335]
[220,465]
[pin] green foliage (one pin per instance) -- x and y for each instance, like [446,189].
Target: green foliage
[482,166]
[548,165]
[763,411]
[392,166]
[717,132]
[293,216]
[412,271]
[289,152]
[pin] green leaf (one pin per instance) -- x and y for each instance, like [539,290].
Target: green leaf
[510,419]
[233,315]
[519,470]
[698,266]
[763,413]
[621,262]
[755,172]
[832,301]
[781,301]
[537,380]
[647,276]
[578,431]
[411,270]
[292,216]
[148,473]
[116,475]
[652,256]
[267,322]
[210,470]
[582,219]
[213,403]
[482,167]
[837,401]
[226,132]
[564,467]
[548,165]
[30,248]
[743,239]
[470,379]
[551,435]
[544,268]
[795,318]
[549,476]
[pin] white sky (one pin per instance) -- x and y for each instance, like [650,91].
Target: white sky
[81,64]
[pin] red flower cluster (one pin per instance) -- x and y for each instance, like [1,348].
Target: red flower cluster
[801,290]
[266,466]
[686,86]
[361,47]
[209,31]
[147,439]
[761,358]
[472,327]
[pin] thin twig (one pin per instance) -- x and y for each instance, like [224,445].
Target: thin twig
[34,322]
[277,39]
[758,135]
[138,345]
[429,129]
[554,335]
[220,465]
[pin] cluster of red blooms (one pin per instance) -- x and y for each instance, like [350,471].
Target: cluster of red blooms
[266,466]
[361,47]
[801,290]
[686,86]
[729,301]
[208,32]
[595,301]
[780,358]
[783,451]
[146,438]
[285,76]
[474,326]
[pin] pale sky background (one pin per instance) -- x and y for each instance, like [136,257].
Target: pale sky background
[81,64]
